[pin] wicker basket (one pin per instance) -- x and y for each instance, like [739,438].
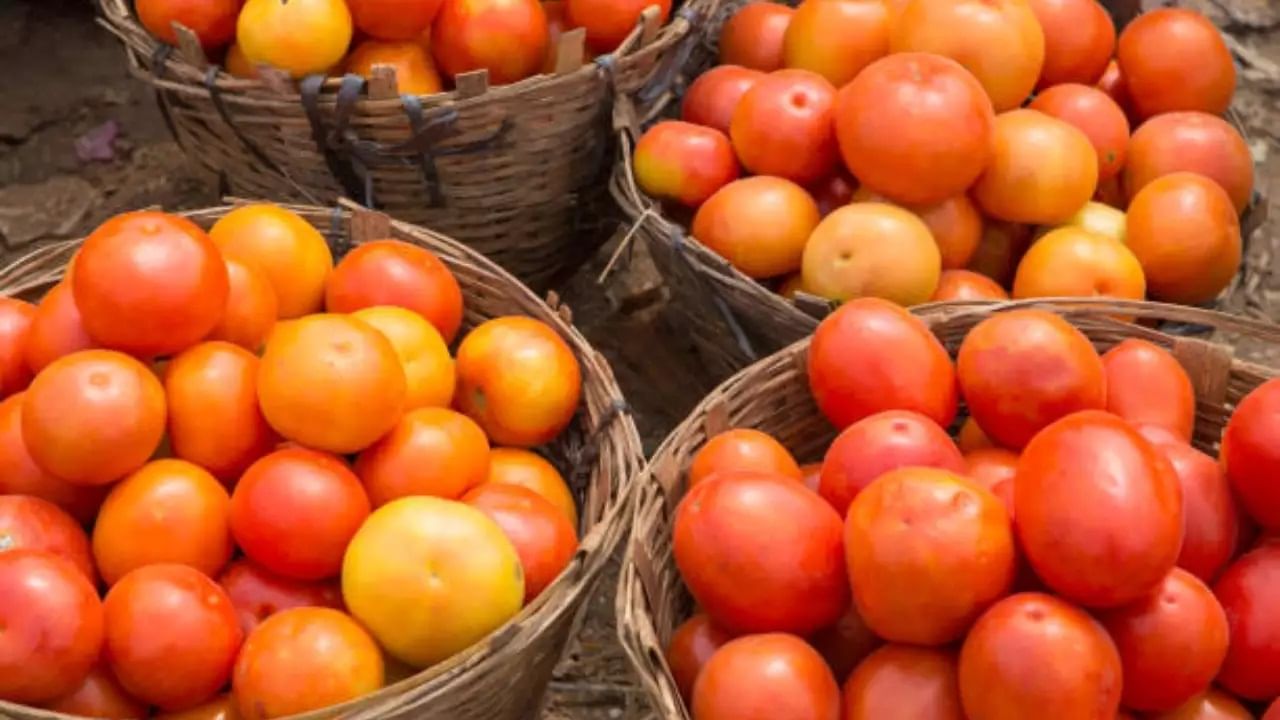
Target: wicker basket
[503,677]
[773,395]
[515,171]
[734,319]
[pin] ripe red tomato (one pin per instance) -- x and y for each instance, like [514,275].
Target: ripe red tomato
[1175,59]
[19,474]
[56,329]
[1171,642]
[608,23]
[1146,385]
[540,533]
[1079,39]
[52,624]
[682,162]
[760,553]
[148,283]
[754,36]
[326,505]
[1096,115]
[713,96]
[783,126]
[99,696]
[742,449]
[430,451]
[845,644]
[871,355]
[258,593]
[1031,652]
[1249,590]
[1250,453]
[31,523]
[879,443]
[172,635]
[994,469]
[213,21]
[390,272]
[1099,510]
[16,318]
[915,127]
[766,677]
[692,644]
[1112,83]
[1191,142]
[904,681]
[393,19]
[1212,704]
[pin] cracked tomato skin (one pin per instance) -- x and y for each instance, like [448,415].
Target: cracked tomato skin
[1249,590]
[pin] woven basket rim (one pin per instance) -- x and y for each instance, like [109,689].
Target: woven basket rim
[45,265]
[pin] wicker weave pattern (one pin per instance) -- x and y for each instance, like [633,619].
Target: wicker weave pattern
[773,395]
[503,677]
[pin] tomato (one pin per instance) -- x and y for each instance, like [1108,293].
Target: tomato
[1186,234]
[754,36]
[683,162]
[53,626]
[424,357]
[759,224]
[19,474]
[1101,220]
[1112,83]
[1074,262]
[713,96]
[914,127]
[1250,453]
[304,659]
[510,38]
[393,19]
[1249,590]
[458,578]
[964,285]
[1099,510]
[431,451]
[513,466]
[1001,248]
[16,319]
[287,249]
[954,223]
[692,644]
[811,475]
[994,469]
[1175,59]
[1094,113]
[972,437]
[834,191]
[172,635]
[872,249]
[1033,651]
[836,39]
[415,72]
[1147,386]
[326,506]
[760,553]
[540,533]
[93,417]
[999,41]
[904,681]
[519,380]
[1079,39]
[846,643]
[331,382]
[608,24]
[100,696]
[212,21]
[30,523]
[1191,142]
[877,444]
[268,32]
[391,272]
[257,593]
[56,329]
[1042,170]
[782,126]
[871,355]
[1212,704]
[1023,369]
[742,449]
[223,707]
[766,677]
[148,283]
[252,308]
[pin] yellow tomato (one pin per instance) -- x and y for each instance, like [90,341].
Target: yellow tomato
[428,367]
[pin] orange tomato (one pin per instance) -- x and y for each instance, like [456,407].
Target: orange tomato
[994,469]
[508,38]
[1079,39]
[424,357]
[304,659]
[415,72]
[742,449]
[714,95]
[540,533]
[212,21]
[692,645]
[287,249]
[301,37]
[836,39]
[391,272]
[56,329]
[251,309]
[782,126]
[331,382]
[1175,59]
[1185,232]
[1095,114]
[1074,262]
[687,163]
[955,223]
[99,696]
[1213,704]
[458,578]
[20,475]
[1192,142]
[238,65]
[967,285]
[754,36]
[519,380]
[1042,170]
[759,224]
[16,319]
[223,707]
[609,22]
[148,283]
[765,677]
[897,677]
[430,451]
[1147,386]
[999,41]
[93,417]
[871,249]
[393,19]
[513,466]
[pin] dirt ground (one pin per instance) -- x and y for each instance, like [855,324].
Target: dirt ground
[80,140]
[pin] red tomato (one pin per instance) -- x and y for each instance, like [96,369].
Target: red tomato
[148,283]
[1250,453]
[766,677]
[879,443]
[1171,641]
[682,162]
[1031,652]
[16,318]
[30,523]
[837,39]
[99,696]
[1146,385]
[258,593]
[972,437]
[714,95]
[212,21]
[608,23]
[1096,115]
[172,635]
[1249,590]
[56,329]
[967,285]
[326,505]
[390,272]
[393,19]
[1112,83]
[994,469]
[811,475]
[1273,712]
[754,36]
[1191,142]
[871,355]
[1099,510]
[845,644]
[1175,59]
[692,645]
[430,451]
[783,126]
[742,449]
[19,474]
[760,553]
[833,192]
[915,127]
[52,624]
[1210,705]
[904,681]
[252,306]
[1079,39]
[540,533]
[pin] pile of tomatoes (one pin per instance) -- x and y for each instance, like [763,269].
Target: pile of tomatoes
[1073,556]
[427,43]
[912,150]
[286,477]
